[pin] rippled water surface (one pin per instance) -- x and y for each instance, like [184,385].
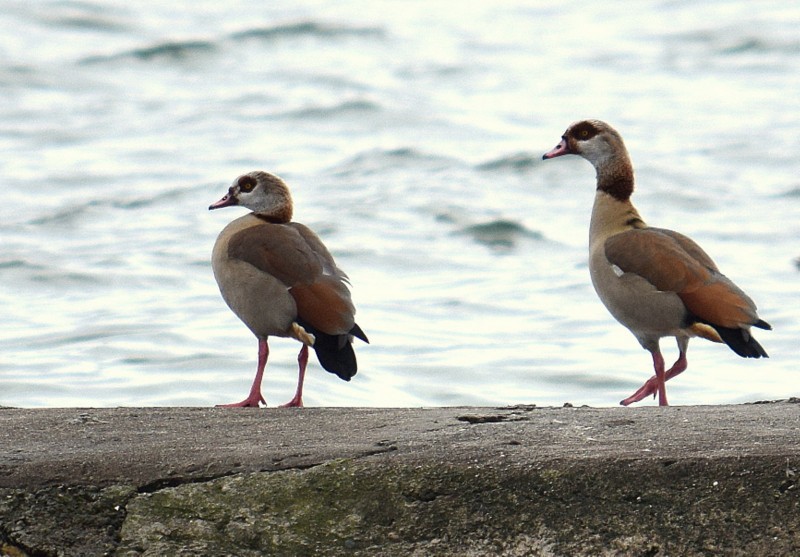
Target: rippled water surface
[411,134]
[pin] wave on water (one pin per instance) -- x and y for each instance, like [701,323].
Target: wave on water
[499,233]
[172,50]
[20,264]
[307,29]
[380,160]
[517,162]
[86,335]
[346,108]
[19,272]
[793,192]
[91,16]
[733,41]
[183,49]
[89,22]
[64,217]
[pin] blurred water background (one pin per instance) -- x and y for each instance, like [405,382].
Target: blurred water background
[411,134]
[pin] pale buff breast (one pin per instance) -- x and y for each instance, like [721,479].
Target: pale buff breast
[631,299]
[261,301]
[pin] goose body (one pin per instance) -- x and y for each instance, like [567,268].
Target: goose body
[656,282]
[279,278]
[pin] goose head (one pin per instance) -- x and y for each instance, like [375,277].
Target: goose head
[595,141]
[261,192]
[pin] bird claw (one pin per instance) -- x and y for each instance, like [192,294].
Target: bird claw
[296,402]
[249,402]
[649,388]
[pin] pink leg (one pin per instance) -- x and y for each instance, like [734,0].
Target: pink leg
[255,396]
[302,361]
[651,386]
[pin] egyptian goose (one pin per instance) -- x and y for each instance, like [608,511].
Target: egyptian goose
[656,282]
[280,280]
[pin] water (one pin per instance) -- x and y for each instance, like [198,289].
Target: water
[411,134]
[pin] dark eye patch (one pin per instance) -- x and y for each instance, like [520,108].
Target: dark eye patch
[584,131]
[246,183]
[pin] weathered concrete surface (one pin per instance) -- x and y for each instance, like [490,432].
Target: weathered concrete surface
[447,481]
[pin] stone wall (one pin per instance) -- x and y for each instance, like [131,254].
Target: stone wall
[447,481]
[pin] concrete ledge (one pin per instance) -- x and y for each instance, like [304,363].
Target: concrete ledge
[444,481]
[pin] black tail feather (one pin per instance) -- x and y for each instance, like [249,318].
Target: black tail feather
[741,341]
[335,352]
[358,333]
[337,359]
[761,324]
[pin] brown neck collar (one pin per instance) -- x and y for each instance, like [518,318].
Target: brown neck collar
[616,179]
[274,218]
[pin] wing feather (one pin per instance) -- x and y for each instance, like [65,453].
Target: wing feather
[674,263]
[295,256]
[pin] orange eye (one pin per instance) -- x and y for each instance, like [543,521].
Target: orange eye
[246,184]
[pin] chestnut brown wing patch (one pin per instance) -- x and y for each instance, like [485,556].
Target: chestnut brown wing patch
[689,246]
[673,263]
[721,303]
[294,255]
[277,250]
[325,305]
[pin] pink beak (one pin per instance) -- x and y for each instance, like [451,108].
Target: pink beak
[226,201]
[561,149]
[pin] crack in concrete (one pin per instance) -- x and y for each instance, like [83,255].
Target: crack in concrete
[177,481]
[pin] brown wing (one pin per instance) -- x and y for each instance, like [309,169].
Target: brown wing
[325,304]
[674,263]
[321,252]
[278,250]
[294,255]
[690,246]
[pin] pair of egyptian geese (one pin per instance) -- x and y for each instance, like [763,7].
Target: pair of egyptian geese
[278,277]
